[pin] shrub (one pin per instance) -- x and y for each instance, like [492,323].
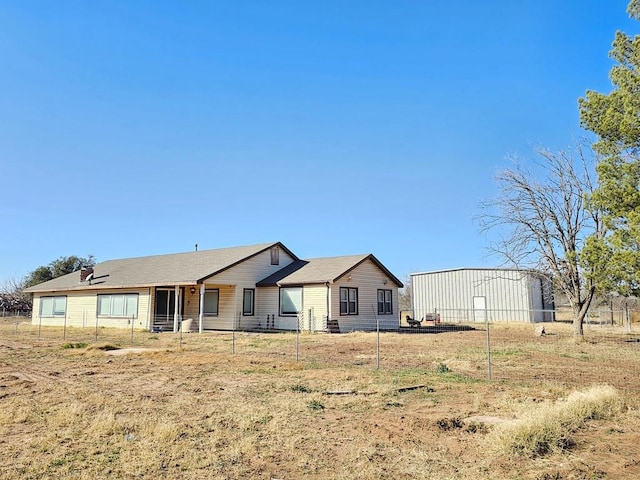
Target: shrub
[442,368]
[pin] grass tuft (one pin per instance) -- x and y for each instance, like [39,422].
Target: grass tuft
[298,388]
[74,345]
[315,405]
[549,427]
[103,346]
[442,368]
[446,424]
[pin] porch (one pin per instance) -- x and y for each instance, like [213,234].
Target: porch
[196,307]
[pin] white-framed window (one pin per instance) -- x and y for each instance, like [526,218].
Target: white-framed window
[248,301]
[211,302]
[53,306]
[384,302]
[348,301]
[118,305]
[290,300]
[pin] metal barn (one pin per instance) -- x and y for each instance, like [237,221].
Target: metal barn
[478,295]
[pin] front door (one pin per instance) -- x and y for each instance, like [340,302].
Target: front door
[165,307]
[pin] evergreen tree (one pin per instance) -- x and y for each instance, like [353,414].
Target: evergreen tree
[615,119]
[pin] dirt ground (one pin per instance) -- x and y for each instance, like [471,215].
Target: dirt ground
[281,406]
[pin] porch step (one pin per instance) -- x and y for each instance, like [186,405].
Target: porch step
[332,326]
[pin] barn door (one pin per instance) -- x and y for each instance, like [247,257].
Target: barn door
[479,309]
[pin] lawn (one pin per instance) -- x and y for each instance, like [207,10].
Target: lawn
[278,406]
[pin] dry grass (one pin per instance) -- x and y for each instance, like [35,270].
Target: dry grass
[550,426]
[202,412]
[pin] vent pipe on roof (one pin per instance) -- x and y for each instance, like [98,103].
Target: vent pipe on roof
[196,247]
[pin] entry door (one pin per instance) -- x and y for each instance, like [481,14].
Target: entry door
[480,309]
[165,304]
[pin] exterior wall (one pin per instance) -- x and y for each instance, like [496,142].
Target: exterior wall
[510,295]
[313,315]
[81,310]
[368,279]
[192,304]
[267,303]
[314,301]
[232,283]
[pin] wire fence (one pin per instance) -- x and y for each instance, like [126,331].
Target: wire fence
[512,351]
[595,316]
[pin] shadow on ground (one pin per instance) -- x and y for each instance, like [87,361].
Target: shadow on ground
[441,328]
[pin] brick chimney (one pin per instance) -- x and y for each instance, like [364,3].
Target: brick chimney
[85,272]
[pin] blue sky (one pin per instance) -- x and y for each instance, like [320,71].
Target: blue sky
[131,128]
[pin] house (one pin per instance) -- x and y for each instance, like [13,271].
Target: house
[479,294]
[255,287]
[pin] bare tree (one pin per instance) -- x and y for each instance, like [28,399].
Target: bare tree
[545,224]
[12,297]
[405,295]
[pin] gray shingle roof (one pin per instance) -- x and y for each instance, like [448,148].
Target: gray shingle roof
[321,270]
[172,269]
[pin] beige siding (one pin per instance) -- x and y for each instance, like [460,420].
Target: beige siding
[314,309]
[314,300]
[82,308]
[267,304]
[232,283]
[368,279]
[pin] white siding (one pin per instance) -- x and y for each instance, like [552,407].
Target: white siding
[510,295]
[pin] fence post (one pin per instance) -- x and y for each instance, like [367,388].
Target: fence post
[299,317]
[373,309]
[233,337]
[488,349]
[378,341]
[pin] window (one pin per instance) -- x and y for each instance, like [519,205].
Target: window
[384,302]
[248,297]
[348,301]
[290,300]
[211,302]
[275,256]
[118,305]
[53,306]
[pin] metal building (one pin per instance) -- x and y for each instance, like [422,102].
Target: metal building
[477,294]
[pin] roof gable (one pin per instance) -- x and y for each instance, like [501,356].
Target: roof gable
[322,270]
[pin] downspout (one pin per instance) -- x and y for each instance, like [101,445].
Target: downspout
[149,326]
[328,284]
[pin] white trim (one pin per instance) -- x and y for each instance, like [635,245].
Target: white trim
[201,316]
